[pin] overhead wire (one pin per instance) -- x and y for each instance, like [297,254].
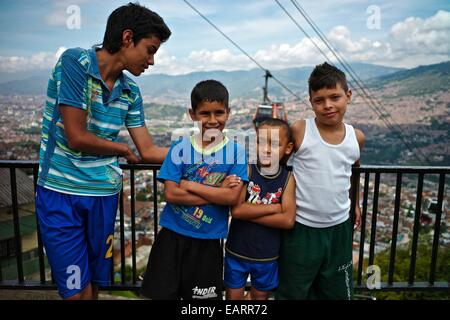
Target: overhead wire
[382,114]
[245,53]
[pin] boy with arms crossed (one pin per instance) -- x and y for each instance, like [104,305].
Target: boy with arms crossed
[202,179]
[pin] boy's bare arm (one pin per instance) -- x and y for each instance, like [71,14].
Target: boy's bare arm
[175,195]
[248,211]
[149,152]
[285,219]
[298,133]
[361,139]
[80,139]
[227,196]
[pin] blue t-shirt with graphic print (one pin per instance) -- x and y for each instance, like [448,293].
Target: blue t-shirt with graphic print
[186,161]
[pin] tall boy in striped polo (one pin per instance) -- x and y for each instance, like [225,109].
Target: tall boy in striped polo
[89,99]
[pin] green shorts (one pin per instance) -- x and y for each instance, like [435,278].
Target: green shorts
[316,263]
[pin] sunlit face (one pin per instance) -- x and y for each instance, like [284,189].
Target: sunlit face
[272,145]
[138,57]
[212,116]
[330,105]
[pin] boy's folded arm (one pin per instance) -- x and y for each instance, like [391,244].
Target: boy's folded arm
[175,195]
[277,220]
[248,211]
[222,196]
[286,218]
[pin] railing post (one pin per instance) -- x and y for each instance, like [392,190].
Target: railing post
[418,211]
[17,236]
[122,239]
[398,191]
[363,228]
[133,226]
[155,205]
[38,231]
[373,228]
[437,228]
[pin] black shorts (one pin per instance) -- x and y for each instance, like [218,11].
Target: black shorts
[183,267]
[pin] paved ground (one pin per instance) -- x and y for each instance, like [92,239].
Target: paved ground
[44,295]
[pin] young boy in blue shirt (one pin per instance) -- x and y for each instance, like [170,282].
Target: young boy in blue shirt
[202,179]
[265,207]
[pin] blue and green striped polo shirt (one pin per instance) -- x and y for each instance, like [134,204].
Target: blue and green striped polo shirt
[76,82]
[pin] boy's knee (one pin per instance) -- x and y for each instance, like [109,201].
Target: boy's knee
[85,294]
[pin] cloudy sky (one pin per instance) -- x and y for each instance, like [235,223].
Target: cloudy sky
[388,32]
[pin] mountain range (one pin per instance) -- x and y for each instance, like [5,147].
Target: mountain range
[241,83]
[248,83]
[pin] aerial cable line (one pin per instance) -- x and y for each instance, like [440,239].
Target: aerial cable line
[244,52]
[359,82]
[382,116]
[312,41]
[330,47]
[338,56]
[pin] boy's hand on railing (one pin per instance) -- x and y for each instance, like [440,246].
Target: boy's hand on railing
[131,157]
[231,181]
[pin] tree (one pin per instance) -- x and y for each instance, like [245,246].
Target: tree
[422,269]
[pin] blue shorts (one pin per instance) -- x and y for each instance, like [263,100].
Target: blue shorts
[263,275]
[78,237]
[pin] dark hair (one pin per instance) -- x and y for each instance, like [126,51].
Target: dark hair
[326,76]
[141,20]
[274,122]
[209,90]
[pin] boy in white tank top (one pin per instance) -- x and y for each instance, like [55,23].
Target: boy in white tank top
[316,256]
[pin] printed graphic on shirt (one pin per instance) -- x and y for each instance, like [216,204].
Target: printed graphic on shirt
[254,191]
[214,179]
[199,173]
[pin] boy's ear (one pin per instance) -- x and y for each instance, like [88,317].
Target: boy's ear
[192,114]
[310,102]
[127,38]
[289,148]
[349,95]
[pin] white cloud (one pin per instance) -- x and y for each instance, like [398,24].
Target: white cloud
[59,15]
[166,63]
[286,56]
[220,59]
[423,36]
[363,49]
[39,61]
[201,60]
[411,42]
[56,18]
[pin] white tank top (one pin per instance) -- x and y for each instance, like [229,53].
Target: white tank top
[322,172]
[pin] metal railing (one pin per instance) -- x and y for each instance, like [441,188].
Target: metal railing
[399,172]
[46,283]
